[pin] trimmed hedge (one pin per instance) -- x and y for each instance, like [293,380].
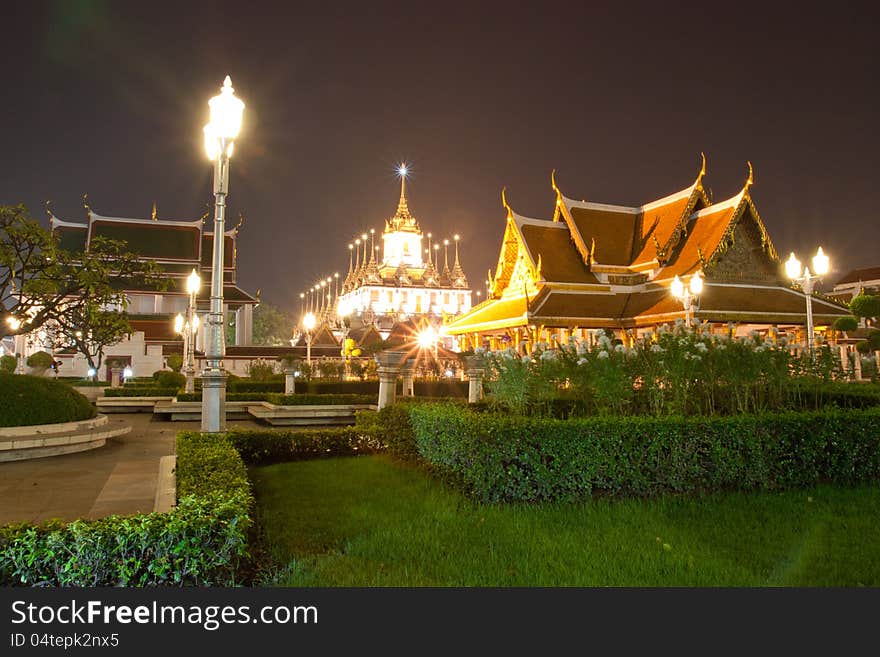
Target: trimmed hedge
[504,458]
[286,400]
[200,542]
[245,385]
[27,400]
[262,447]
[140,392]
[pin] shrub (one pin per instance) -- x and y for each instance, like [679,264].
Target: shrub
[166,379]
[306,399]
[259,370]
[261,447]
[175,362]
[392,426]
[200,542]
[29,400]
[675,371]
[8,363]
[845,324]
[508,458]
[40,360]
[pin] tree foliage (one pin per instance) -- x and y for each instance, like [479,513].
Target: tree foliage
[865,305]
[40,282]
[272,326]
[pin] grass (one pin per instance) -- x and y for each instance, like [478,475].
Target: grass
[371,521]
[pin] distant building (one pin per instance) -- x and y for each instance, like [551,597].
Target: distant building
[856,282]
[178,247]
[409,281]
[598,266]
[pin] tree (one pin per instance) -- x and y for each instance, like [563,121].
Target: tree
[272,326]
[88,329]
[865,306]
[41,282]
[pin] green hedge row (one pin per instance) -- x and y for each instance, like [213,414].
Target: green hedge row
[286,400]
[505,458]
[262,447]
[140,392]
[28,400]
[200,542]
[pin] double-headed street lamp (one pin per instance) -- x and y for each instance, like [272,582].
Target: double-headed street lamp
[15,324]
[804,277]
[220,134]
[688,294]
[188,328]
[308,323]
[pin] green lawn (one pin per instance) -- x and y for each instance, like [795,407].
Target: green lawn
[371,521]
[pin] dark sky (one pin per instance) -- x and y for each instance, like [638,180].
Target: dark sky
[110,99]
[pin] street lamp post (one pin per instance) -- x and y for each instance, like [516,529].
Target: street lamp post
[688,295]
[220,134]
[343,311]
[18,341]
[805,279]
[193,283]
[309,324]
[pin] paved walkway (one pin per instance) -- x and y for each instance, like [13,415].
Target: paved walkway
[118,478]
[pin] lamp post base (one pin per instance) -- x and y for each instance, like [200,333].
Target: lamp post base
[214,401]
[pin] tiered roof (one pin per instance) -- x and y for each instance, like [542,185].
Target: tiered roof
[177,246]
[600,265]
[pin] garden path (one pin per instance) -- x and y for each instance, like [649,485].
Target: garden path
[118,478]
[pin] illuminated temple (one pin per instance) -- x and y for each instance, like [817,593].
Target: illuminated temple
[598,266]
[408,281]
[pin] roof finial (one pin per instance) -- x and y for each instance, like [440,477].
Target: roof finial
[240,222]
[154,215]
[49,209]
[553,182]
[702,167]
[751,179]
[505,203]
[86,202]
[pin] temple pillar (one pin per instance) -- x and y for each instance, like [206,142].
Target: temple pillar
[857,361]
[389,363]
[244,325]
[289,380]
[476,370]
[844,363]
[406,373]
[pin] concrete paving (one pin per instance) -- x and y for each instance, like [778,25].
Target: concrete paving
[118,478]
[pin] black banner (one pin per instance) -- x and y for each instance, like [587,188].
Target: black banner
[459,620]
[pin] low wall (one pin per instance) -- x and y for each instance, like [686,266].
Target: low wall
[41,440]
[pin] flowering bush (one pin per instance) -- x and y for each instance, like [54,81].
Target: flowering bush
[673,371]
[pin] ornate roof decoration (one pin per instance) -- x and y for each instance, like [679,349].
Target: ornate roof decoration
[402,219]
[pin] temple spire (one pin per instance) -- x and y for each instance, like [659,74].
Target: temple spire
[402,219]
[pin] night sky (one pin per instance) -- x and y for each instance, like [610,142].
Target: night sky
[110,99]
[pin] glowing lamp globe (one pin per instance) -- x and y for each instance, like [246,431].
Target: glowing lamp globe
[193,282]
[195,323]
[792,267]
[13,322]
[426,337]
[226,112]
[820,263]
[677,287]
[309,321]
[696,284]
[178,323]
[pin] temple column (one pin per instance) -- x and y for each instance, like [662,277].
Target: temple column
[244,326]
[844,363]
[476,369]
[406,373]
[389,367]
